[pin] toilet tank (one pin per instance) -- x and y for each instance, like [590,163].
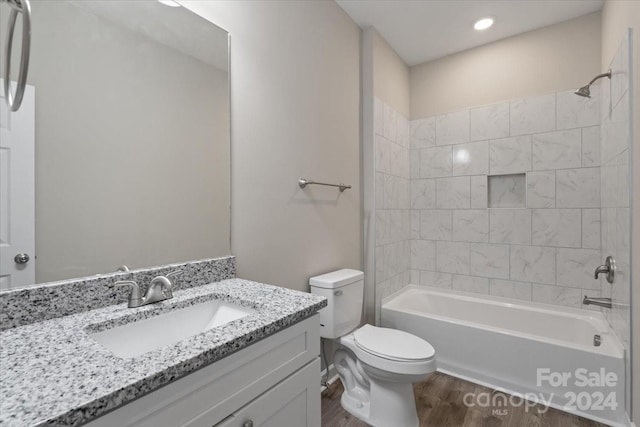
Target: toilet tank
[344,290]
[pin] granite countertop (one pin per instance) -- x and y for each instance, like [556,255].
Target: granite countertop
[54,373]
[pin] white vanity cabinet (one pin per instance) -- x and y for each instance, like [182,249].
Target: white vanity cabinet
[273,382]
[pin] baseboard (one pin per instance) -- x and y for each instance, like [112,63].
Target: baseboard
[333,376]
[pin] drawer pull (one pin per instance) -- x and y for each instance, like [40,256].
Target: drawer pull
[248,423]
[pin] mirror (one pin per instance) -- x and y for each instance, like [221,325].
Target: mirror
[131,124]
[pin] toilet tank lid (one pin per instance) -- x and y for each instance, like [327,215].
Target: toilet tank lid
[336,279]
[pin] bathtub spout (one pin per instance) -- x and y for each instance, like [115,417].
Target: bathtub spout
[601,302]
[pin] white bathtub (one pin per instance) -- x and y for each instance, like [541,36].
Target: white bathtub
[502,343]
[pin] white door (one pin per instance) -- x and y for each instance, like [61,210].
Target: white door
[17,192]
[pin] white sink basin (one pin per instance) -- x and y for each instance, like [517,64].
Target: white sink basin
[137,338]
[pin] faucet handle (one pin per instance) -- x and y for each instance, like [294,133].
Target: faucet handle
[174,273]
[135,289]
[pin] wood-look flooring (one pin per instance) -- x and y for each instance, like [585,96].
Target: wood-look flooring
[439,400]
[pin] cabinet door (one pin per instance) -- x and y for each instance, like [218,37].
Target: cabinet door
[295,402]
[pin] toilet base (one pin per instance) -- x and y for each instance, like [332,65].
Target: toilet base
[391,404]
[379,398]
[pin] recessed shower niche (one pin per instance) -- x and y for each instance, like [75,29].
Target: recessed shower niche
[507,191]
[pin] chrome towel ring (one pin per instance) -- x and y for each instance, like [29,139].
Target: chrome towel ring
[23,7]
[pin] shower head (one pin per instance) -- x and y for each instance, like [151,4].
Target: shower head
[586,90]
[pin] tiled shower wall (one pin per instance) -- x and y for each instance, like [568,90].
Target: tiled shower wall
[615,195]
[537,160]
[392,188]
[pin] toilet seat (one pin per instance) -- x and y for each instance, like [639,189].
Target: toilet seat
[385,362]
[393,344]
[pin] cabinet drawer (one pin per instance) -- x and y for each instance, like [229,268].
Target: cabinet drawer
[207,396]
[295,402]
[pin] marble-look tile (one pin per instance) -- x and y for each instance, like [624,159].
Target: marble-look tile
[591,228]
[478,285]
[415,225]
[591,146]
[391,192]
[379,190]
[541,189]
[404,256]
[453,193]
[621,71]
[423,132]
[435,162]
[391,259]
[489,121]
[414,278]
[383,225]
[378,117]
[452,257]
[435,224]
[557,150]
[402,131]
[471,158]
[433,278]
[533,264]
[396,164]
[404,196]
[479,195]
[382,273]
[452,128]
[382,155]
[576,267]
[510,289]
[423,193]
[577,111]
[507,191]
[414,164]
[390,123]
[616,130]
[556,227]
[533,115]
[471,225]
[406,223]
[423,255]
[615,181]
[510,155]
[557,295]
[578,188]
[488,260]
[510,226]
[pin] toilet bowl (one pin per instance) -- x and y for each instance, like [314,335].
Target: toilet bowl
[377,366]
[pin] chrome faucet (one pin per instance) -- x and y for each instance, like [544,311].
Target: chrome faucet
[600,302]
[160,289]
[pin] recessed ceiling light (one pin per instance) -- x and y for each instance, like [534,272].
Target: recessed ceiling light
[483,24]
[169,3]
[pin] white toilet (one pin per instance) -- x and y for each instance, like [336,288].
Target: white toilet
[377,366]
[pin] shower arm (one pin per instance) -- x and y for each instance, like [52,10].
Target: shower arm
[23,7]
[599,76]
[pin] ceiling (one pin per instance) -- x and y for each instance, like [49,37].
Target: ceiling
[421,31]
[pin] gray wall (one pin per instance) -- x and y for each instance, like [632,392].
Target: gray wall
[295,91]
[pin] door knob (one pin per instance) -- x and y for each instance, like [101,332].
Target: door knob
[21,258]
